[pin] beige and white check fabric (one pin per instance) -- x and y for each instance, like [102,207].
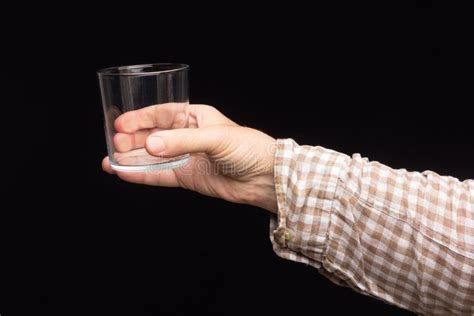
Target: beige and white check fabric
[406,238]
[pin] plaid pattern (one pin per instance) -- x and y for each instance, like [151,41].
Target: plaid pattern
[406,238]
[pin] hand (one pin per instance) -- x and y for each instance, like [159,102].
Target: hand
[227,161]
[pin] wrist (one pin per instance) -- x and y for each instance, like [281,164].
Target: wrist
[262,192]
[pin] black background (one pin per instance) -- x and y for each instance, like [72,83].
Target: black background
[394,84]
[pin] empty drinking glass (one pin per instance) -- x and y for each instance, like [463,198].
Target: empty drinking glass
[158,95]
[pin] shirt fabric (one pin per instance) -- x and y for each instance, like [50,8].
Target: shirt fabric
[406,238]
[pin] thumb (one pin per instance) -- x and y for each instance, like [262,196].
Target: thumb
[182,141]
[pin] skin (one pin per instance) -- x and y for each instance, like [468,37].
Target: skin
[227,161]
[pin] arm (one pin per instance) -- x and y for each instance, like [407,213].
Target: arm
[404,237]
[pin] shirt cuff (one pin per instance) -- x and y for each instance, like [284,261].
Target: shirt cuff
[306,181]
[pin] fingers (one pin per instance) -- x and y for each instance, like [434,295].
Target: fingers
[177,142]
[106,166]
[163,116]
[164,178]
[126,142]
[170,115]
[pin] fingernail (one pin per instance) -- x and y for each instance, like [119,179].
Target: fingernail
[156,144]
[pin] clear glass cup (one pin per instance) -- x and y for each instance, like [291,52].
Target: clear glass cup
[161,91]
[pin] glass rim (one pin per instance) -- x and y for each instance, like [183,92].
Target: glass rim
[109,71]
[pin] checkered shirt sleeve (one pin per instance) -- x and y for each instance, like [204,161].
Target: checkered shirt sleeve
[406,238]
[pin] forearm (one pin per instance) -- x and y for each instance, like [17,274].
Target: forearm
[403,237]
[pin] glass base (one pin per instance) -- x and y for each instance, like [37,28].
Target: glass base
[165,164]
